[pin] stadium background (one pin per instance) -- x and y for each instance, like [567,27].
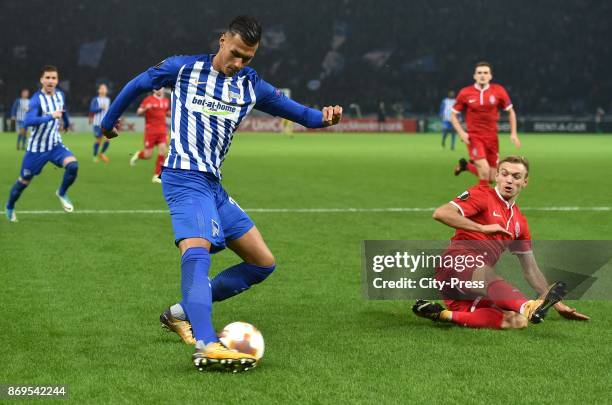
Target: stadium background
[553,57]
[81,293]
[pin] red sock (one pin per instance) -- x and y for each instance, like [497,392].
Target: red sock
[472,168]
[141,155]
[505,295]
[480,318]
[158,164]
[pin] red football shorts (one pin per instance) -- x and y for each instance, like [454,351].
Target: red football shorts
[155,138]
[484,148]
[469,305]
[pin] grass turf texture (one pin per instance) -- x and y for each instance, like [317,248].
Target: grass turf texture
[81,294]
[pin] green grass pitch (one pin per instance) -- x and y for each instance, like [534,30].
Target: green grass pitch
[81,293]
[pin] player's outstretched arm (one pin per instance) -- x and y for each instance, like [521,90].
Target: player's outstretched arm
[135,87]
[163,74]
[272,101]
[450,215]
[535,278]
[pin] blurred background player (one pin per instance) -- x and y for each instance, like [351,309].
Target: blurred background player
[18,112]
[445,115]
[212,94]
[487,221]
[97,110]
[46,108]
[480,104]
[381,115]
[155,109]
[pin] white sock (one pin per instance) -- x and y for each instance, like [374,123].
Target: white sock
[522,309]
[177,312]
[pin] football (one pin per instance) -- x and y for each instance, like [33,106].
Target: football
[243,337]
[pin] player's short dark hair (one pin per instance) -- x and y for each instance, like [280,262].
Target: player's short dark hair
[48,68]
[483,63]
[248,28]
[515,159]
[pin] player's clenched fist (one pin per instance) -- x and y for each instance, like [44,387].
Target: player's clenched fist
[111,133]
[331,115]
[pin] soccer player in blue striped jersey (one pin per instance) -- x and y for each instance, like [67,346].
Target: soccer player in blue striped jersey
[18,112]
[211,95]
[446,109]
[46,108]
[97,110]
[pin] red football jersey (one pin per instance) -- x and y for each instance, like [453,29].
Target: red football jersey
[155,117]
[481,108]
[485,205]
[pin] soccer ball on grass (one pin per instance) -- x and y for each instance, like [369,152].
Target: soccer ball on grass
[243,337]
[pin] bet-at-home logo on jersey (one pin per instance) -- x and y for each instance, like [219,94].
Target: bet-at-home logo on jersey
[212,106]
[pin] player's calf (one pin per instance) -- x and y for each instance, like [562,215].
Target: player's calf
[14,194]
[238,278]
[491,318]
[512,320]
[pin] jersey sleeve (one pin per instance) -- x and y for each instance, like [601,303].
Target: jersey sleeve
[504,99]
[460,102]
[274,102]
[93,106]
[522,244]
[471,201]
[34,117]
[14,108]
[161,75]
[164,74]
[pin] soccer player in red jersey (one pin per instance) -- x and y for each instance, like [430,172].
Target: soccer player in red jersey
[155,109]
[487,222]
[480,105]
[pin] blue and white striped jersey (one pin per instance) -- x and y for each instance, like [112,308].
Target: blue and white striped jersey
[207,107]
[98,107]
[20,108]
[45,134]
[446,108]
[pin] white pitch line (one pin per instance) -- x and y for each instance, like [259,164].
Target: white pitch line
[304,210]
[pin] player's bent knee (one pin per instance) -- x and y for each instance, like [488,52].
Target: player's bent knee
[260,273]
[185,244]
[72,167]
[265,260]
[69,160]
[25,180]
